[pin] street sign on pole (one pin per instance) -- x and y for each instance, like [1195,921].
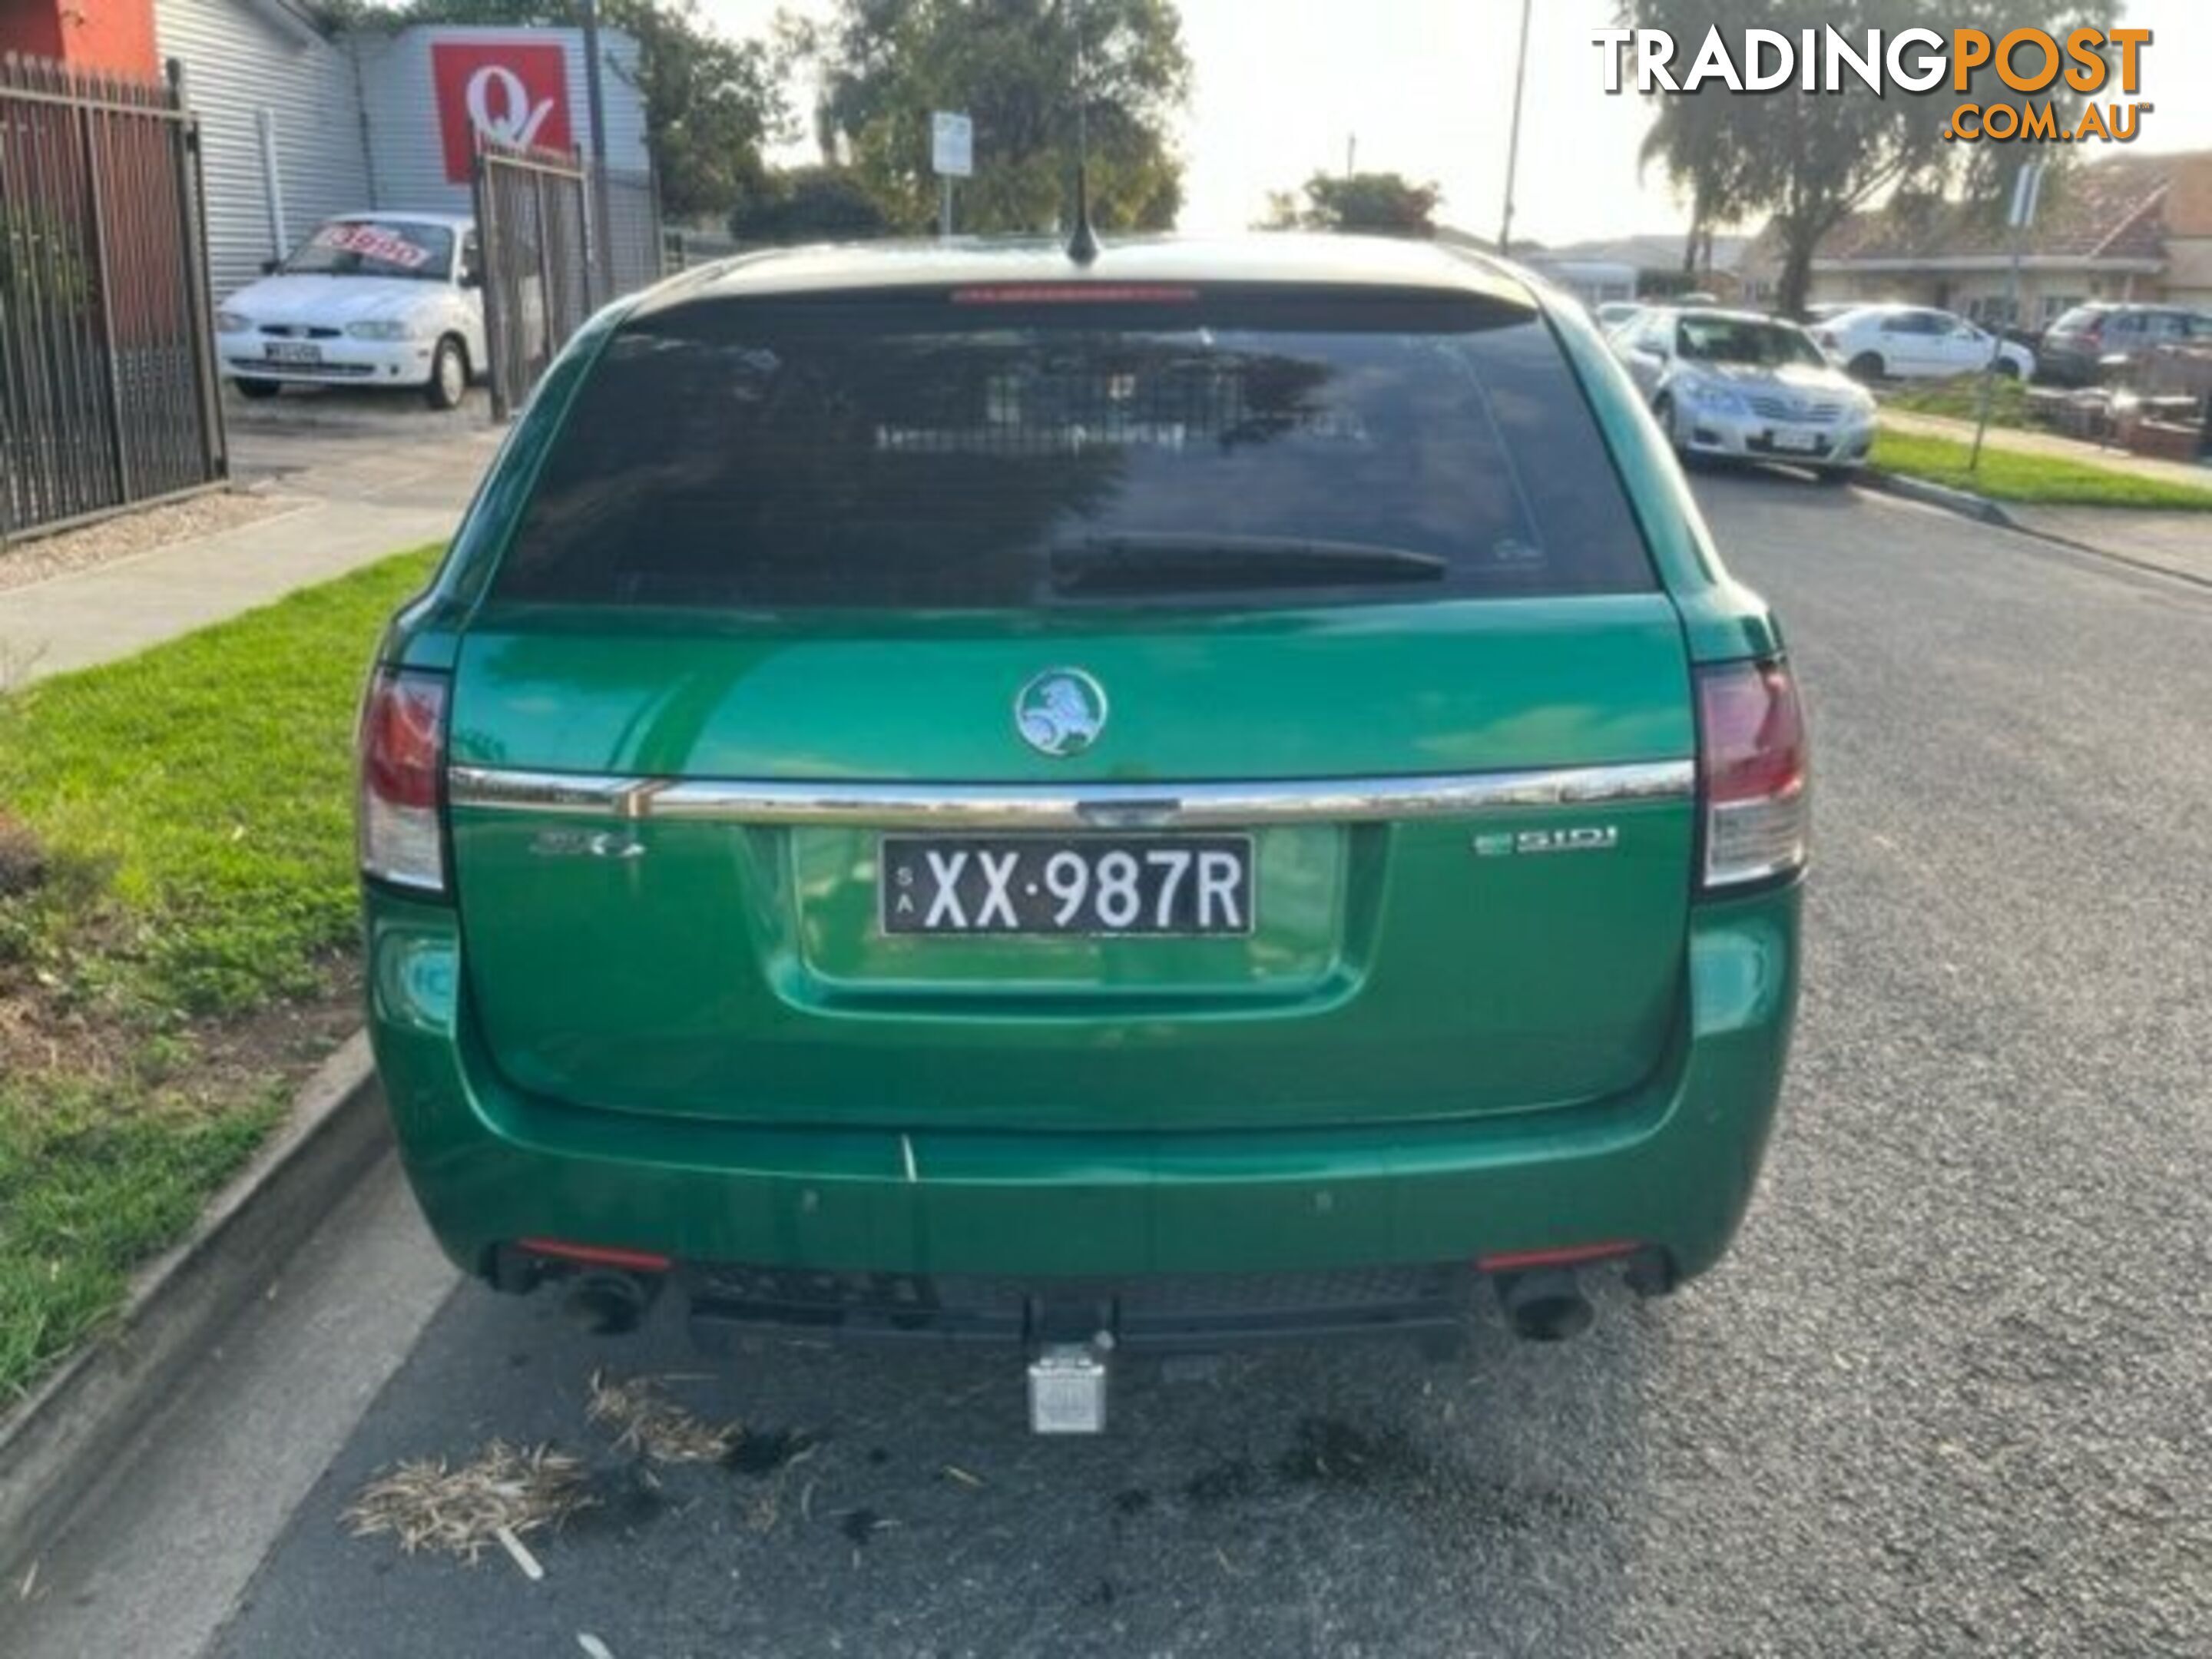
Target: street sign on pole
[951,155]
[951,144]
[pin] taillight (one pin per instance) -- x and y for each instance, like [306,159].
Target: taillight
[1751,759]
[403,759]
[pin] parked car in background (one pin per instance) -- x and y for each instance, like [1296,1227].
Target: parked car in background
[1215,791]
[2092,344]
[1614,313]
[1738,385]
[369,299]
[1905,343]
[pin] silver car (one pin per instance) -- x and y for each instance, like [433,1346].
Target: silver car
[1736,384]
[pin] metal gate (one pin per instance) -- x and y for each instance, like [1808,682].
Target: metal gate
[107,374]
[547,265]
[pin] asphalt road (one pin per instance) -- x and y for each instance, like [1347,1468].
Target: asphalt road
[1950,1395]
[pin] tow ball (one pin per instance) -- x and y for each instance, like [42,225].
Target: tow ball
[1068,1369]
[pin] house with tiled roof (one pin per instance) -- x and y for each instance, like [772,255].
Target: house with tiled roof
[2126,228]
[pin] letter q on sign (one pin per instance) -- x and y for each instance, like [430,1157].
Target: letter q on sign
[511,91]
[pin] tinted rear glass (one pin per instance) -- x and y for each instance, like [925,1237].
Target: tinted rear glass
[935,452]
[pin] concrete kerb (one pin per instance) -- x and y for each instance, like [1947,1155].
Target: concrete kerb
[1964,502]
[62,1446]
[1983,510]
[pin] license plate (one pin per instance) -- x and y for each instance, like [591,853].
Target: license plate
[292,351]
[1805,443]
[1095,885]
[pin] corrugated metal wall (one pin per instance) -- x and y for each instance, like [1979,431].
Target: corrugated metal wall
[408,152]
[241,57]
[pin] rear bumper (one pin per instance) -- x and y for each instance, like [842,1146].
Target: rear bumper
[1670,1166]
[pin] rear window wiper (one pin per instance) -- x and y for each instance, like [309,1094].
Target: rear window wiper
[1196,559]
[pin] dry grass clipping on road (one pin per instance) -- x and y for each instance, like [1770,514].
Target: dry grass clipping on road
[647,1421]
[430,1505]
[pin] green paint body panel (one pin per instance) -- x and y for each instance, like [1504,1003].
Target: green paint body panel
[1671,1161]
[711,1050]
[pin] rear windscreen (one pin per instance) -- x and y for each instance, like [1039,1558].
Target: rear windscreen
[948,451]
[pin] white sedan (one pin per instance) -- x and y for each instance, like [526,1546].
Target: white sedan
[1880,343]
[370,299]
[1730,385]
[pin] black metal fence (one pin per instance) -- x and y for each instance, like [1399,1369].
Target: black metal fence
[107,376]
[544,269]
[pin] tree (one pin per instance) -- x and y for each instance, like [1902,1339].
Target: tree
[1809,160]
[1387,204]
[710,102]
[808,204]
[1012,65]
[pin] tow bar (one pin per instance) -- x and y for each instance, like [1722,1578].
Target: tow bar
[1070,1344]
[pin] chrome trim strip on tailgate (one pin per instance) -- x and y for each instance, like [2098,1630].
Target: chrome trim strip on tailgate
[1065,806]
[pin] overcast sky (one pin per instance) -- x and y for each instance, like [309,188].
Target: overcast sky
[1426,86]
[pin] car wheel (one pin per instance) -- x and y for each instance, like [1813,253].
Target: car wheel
[2008,369]
[257,388]
[449,374]
[1663,411]
[1867,366]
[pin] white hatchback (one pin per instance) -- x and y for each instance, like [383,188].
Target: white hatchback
[370,299]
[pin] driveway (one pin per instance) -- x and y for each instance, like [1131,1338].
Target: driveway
[352,481]
[1948,1397]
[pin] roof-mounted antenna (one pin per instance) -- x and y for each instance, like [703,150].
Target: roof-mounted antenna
[1083,242]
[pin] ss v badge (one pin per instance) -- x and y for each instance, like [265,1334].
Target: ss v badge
[1582,838]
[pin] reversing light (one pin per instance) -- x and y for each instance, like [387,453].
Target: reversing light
[1752,760]
[402,749]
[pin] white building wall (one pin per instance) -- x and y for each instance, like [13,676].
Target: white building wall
[407,148]
[242,57]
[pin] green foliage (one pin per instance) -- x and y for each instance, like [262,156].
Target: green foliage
[191,812]
[39,261]
[2014,474]
[1958,397]
[710,102]
[91,1183]
[1011,66]
[209,779]
[808,204]
[1809,160]
[1385,203]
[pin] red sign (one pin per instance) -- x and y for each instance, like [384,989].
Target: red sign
[512,92]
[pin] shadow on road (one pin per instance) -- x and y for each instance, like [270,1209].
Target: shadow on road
[1355,1499]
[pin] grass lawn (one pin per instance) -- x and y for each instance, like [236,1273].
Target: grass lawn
[176,910]
[1960,397]
[2012,475]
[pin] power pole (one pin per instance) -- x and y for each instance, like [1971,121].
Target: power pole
[2026,193]
[1513,142]
[1351,153]
[595,95]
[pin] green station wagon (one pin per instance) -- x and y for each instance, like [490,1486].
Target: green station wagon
[1216,791]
